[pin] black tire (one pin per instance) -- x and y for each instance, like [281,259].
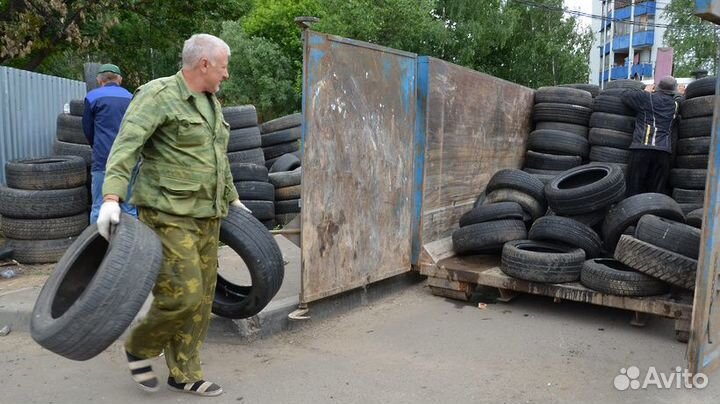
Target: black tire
[554,112]
[689,207]
[285,122]
[696,107]
[545,178]
[35,204]
[695,218]
[242,116]
[244,139]
[38,251]
[580,130]
[612,105]
[95,291]
[563,95]
[71,149]
[625,84]
[545,161]
[55,172]
[487,237]
[286,179]
[529,204]
[258,249]
[589,219]
[492,212]
[609,155]
[255,190]
[39,229]
[688,178]
[280,149]
[629,211]
[695,127]
[557,142]
[670,235]
[681,195]
[615,278]
[620,123]
[657,262]
[609,138]
[586,189]
[287,193]
[77,107]
[282,136]
[288,206]
[567,231]
[701,87]
[286,162]
[593,89]
[248,172]
[252,156]
[69,129]
[695,161]
[541,262]
[693,145]
[262,210]
[519,180]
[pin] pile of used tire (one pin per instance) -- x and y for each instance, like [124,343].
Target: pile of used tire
[281,136]
[254,191]
[244,143]
[693,145]
[288,189]
[586,222]
[44,207]
[69,137]
[612,124]
[559,141]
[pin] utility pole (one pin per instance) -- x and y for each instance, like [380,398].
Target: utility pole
[611,54]
[631,48]
[603,41]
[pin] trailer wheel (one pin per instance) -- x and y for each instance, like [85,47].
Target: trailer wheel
[541,262]
[613,277]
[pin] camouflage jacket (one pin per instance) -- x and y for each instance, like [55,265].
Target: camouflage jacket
[184,167]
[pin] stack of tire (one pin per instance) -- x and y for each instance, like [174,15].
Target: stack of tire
[244,145]
[559,142]
[511,201]
[44,207]
[254,191]
[281,136]
[612,124]
[287,183]
[69,136]
[593,89]
[693,145]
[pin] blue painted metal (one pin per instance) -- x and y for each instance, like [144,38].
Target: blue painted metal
[708,10]
[640,39]
[423,91]
[29,107]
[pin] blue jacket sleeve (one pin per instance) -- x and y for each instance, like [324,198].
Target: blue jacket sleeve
[88,123]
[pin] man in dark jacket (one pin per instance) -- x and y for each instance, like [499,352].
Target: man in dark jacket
[651,147]
[104,110]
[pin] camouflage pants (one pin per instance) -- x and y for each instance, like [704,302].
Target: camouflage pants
[183,294]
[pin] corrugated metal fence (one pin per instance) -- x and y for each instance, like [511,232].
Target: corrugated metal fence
[29,106]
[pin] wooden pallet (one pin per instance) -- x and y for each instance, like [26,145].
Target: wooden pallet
[457,278]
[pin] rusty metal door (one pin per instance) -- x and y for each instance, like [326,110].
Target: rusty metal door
[358,139]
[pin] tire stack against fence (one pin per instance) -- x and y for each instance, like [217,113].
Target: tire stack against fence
[44,207]
[281,136]
[254,191]
[559,142]
[70,138]
[612,125]
[244,142]
[693,145]
[288,199]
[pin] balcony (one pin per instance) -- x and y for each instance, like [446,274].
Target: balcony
[621,72]
[649,8]
[640,40]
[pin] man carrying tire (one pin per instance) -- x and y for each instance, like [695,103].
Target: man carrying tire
[104,110]
[183,189]
[651,148]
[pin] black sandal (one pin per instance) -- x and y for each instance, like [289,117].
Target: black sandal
[201,387]
[142,373]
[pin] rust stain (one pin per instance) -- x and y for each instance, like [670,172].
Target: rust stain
[327,231]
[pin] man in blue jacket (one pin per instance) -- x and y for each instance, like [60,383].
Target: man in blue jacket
[104,110]
[651,148]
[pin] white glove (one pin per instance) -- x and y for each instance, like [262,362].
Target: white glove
[108,216]
[236,203]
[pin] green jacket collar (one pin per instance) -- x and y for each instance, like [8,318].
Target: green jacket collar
[185,92]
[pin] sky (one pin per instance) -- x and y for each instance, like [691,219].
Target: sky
[580,5]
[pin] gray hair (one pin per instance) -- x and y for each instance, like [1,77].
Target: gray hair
[108,76]
[202,45]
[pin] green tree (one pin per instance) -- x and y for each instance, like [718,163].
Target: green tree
[694,41]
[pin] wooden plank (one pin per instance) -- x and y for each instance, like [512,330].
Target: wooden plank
[449,293]
[359,123]
[659,305]
[437,250]
[441,223]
